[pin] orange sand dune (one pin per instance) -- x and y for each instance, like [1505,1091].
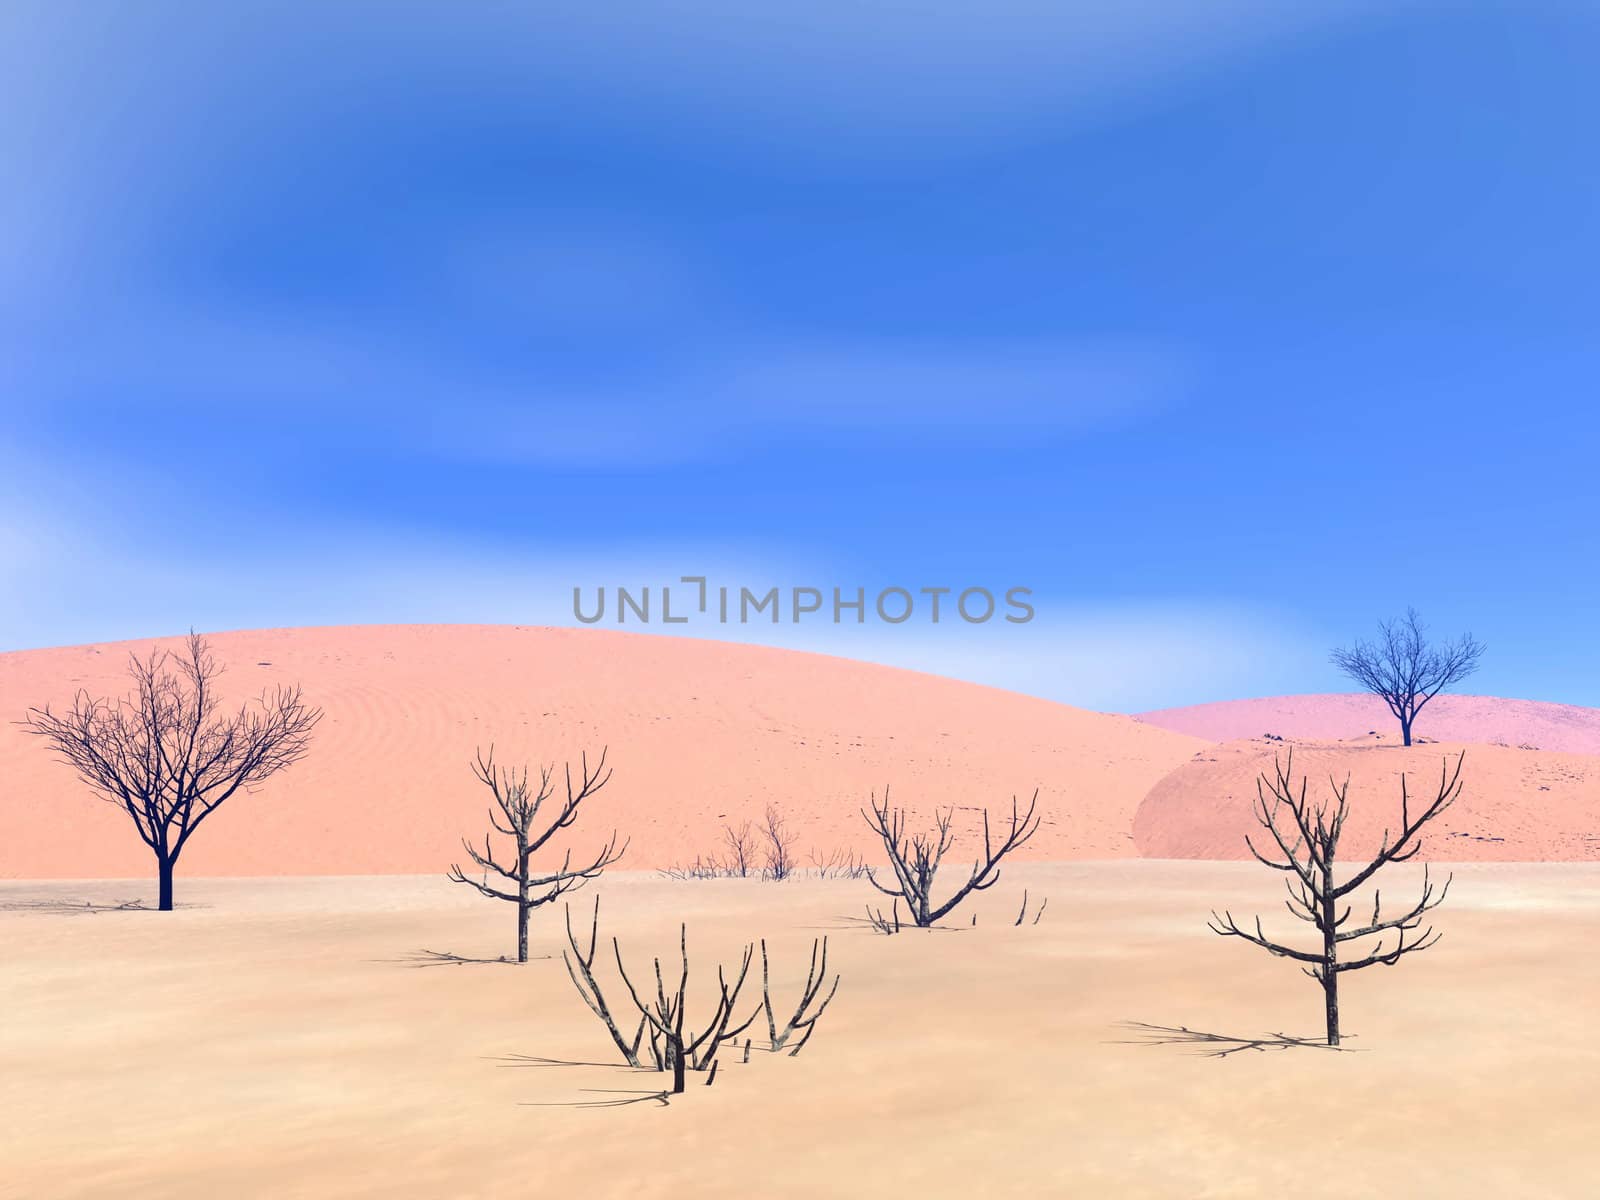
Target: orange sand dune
[699,733]
[1562,727]
[1515,805]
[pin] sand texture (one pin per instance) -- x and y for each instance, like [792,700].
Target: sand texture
[700,734]
[1514,805]
[276,1039]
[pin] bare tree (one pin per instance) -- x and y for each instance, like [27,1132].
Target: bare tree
[701,868]
[839,864]
[741,844]
[1404,670]
[915,860]
[888,926]
[1022,912]
[802,1019]
[516,808]
[780,845]
[589,988]
[672,1047]
[165,756]
[1307,845]
[680,1051]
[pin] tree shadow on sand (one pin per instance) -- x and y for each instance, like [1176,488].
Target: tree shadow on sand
[619,1097]
[443,958]
[1216,1045]
[73,908]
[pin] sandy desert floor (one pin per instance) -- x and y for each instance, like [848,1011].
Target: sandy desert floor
[277,1038]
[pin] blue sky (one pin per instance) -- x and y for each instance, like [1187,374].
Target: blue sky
[1227,327]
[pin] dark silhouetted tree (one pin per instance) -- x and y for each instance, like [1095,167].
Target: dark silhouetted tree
[1306,841]
[915,859]
[780,845]
[1404,670]
[514,815]
[165,756]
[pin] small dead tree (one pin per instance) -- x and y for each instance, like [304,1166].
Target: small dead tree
[839,864]
[670,1047]
[888,926]
[1022,912]
[589,988]
[741,843]
[673,1048]
[1404,670]
[915,859]
[165,757]
[802,1019]
[1307,845]
[780,845]
[516,809]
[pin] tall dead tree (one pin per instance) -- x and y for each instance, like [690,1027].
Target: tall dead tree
[514,815]
[165,756]
[1404,670]
[915,859]
[1306,838]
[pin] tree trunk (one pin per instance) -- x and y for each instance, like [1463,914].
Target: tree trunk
[1330,958]
[1330,993]
[164,867]
[1405,730]
[675,1050]
[524,869]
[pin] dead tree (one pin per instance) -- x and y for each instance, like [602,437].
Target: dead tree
[741,850]
[516,808]
[801,1020]
[671,1047]
[1404,670]
[888,926]
[589,988]
[915,859]
[840,864]
[780,845]
[165,757]
[1022,912]
[1307,845]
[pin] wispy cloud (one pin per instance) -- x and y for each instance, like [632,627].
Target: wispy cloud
[877,76]
[361,386]
[1115,658]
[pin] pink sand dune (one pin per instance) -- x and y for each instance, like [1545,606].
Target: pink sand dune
[1486,719]
[1514,806]
[700,733]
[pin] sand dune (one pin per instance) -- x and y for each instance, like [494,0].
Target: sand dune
[1515,805]
[1561,727]
[699,733]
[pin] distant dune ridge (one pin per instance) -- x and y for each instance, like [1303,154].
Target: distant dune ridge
[1561,727]
[702,733]
[1515,805]
[699,732]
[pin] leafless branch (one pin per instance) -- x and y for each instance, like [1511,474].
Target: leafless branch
[915,859]
[514,815]
[1307,838]
[165,756]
